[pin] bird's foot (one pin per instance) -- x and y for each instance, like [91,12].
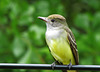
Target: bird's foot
[70,65]
[53,65]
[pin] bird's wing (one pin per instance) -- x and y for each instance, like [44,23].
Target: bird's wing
[73,45]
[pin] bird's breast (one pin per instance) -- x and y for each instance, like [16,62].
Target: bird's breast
[59,46]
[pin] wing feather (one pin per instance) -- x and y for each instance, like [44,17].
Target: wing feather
[73,45]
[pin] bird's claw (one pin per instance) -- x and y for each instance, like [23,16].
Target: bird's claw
[70,65]
[53,65]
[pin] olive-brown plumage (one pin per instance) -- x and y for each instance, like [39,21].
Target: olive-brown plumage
[61,41]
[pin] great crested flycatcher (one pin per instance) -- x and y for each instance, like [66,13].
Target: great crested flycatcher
[61,41]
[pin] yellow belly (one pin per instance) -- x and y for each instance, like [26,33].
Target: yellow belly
[61,51]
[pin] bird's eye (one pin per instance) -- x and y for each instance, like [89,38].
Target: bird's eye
[52,20]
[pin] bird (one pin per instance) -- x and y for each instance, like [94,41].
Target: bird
[61,41]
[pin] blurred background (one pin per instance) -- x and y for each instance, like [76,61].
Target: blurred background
[22,34]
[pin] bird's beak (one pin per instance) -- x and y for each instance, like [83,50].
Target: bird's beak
[43,18]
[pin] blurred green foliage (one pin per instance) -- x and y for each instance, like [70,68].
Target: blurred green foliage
[22,35]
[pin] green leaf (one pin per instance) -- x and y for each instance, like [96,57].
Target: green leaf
[82,21]
[27,17]
[18,47]
[37,34]
[96,20]
[43,8]
[26,57]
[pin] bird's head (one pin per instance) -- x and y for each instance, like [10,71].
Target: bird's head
[54,21]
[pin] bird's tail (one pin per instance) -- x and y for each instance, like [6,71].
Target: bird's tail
[69,71]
